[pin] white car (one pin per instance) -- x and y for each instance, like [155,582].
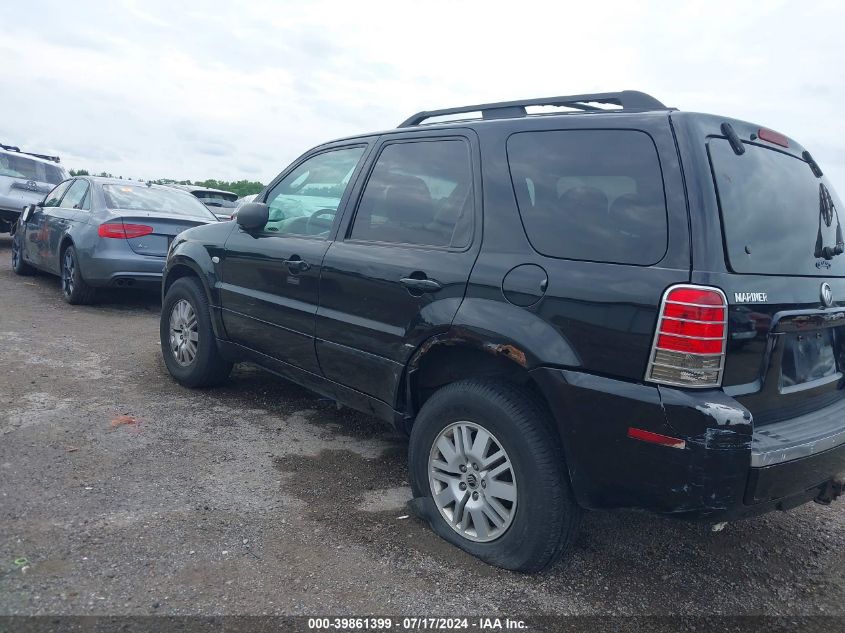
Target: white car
[24,179]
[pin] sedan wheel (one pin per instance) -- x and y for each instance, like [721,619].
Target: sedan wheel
[75,289]
[184,333]
[472,481]
[18,264]
[68,273]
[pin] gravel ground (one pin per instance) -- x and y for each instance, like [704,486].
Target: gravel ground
[260,498]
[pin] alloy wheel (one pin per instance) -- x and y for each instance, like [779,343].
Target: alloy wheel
[68,270]
[184,332]
[472,481]
[16,253]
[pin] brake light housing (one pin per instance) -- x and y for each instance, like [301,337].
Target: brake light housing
[121,230]
[690,340]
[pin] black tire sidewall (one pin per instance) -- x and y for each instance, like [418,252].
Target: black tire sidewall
[20,267]
[196,374]
[82,293]
[543,494]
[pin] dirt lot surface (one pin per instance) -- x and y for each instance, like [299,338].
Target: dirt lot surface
[260,498]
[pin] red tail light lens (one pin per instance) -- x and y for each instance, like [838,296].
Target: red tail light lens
[689,345]
[121,230]
[773,137]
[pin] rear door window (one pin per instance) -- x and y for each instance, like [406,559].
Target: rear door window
[592,195]
[777,217]
[76,195]
[419,192]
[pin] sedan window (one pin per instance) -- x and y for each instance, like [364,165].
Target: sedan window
[162,199]
[53,198]
[75,196]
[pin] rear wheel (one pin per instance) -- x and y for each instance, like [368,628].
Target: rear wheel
[490,469]
[74,288]
[18,264]
[187,336]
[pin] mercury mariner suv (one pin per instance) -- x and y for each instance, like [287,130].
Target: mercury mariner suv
[590,301]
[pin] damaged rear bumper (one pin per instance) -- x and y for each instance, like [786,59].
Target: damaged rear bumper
[717,475]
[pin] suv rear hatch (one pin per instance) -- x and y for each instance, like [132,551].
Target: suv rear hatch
[784,247]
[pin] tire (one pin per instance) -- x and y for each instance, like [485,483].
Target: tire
[18,264]
[75,290]
[543,518]
[200,364]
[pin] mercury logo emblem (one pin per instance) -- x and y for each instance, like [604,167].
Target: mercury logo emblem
[827,295]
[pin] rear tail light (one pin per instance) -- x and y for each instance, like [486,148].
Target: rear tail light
[121,230]
[689,344]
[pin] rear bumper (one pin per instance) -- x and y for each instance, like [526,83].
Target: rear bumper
[113,263]
[717,475]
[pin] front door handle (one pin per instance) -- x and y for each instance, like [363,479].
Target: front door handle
[420,285]
[297,265]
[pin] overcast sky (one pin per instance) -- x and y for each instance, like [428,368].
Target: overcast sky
[154,89]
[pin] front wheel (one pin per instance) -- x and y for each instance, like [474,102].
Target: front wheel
[489,467]
[187,336]
[18,264]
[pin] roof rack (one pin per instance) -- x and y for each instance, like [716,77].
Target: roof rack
[628,100]
[12,148]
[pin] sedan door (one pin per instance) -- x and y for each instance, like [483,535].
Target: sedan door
[401,272]
[36,235]
[73,209]
[270,277]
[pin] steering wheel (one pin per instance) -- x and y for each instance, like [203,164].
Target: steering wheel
[320,225]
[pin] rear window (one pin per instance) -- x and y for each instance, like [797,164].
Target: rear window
[590,194]
[162,199]
[28,169]
[218,199]
[777,217]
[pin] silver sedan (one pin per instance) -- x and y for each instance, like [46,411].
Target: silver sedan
[96,232]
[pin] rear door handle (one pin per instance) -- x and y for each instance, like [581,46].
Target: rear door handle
[420,285]
[297,265]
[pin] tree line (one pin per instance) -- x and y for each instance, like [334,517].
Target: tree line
[240,187]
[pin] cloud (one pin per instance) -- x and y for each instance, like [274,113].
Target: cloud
[232,90]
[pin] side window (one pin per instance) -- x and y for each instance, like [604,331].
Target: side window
[76,196]
[52,199]
[419,192]
[306,200]
[591,194]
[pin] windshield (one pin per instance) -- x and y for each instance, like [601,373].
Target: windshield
[777,217]
[29,169]
[162,199]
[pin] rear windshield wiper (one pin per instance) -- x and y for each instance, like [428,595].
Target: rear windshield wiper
[828,211]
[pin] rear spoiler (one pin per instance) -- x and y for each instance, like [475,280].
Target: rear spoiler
[12,148]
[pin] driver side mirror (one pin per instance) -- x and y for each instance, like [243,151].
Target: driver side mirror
[27,212]
[253,215]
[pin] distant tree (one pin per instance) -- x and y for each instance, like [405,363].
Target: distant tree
[79,172]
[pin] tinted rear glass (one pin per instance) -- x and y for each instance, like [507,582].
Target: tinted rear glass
[28,169]
[163,199]
[776,215]
[590,194]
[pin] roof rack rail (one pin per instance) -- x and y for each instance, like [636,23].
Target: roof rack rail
[12,148]
[628,99]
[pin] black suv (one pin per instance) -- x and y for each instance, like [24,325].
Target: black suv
[604,303]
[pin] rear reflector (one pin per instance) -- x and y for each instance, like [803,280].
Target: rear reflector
[773,137]
[689,344]
[121,230]
[655,438]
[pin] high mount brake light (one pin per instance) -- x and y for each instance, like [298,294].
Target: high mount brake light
[120,230]
[690,341]
[772,137]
